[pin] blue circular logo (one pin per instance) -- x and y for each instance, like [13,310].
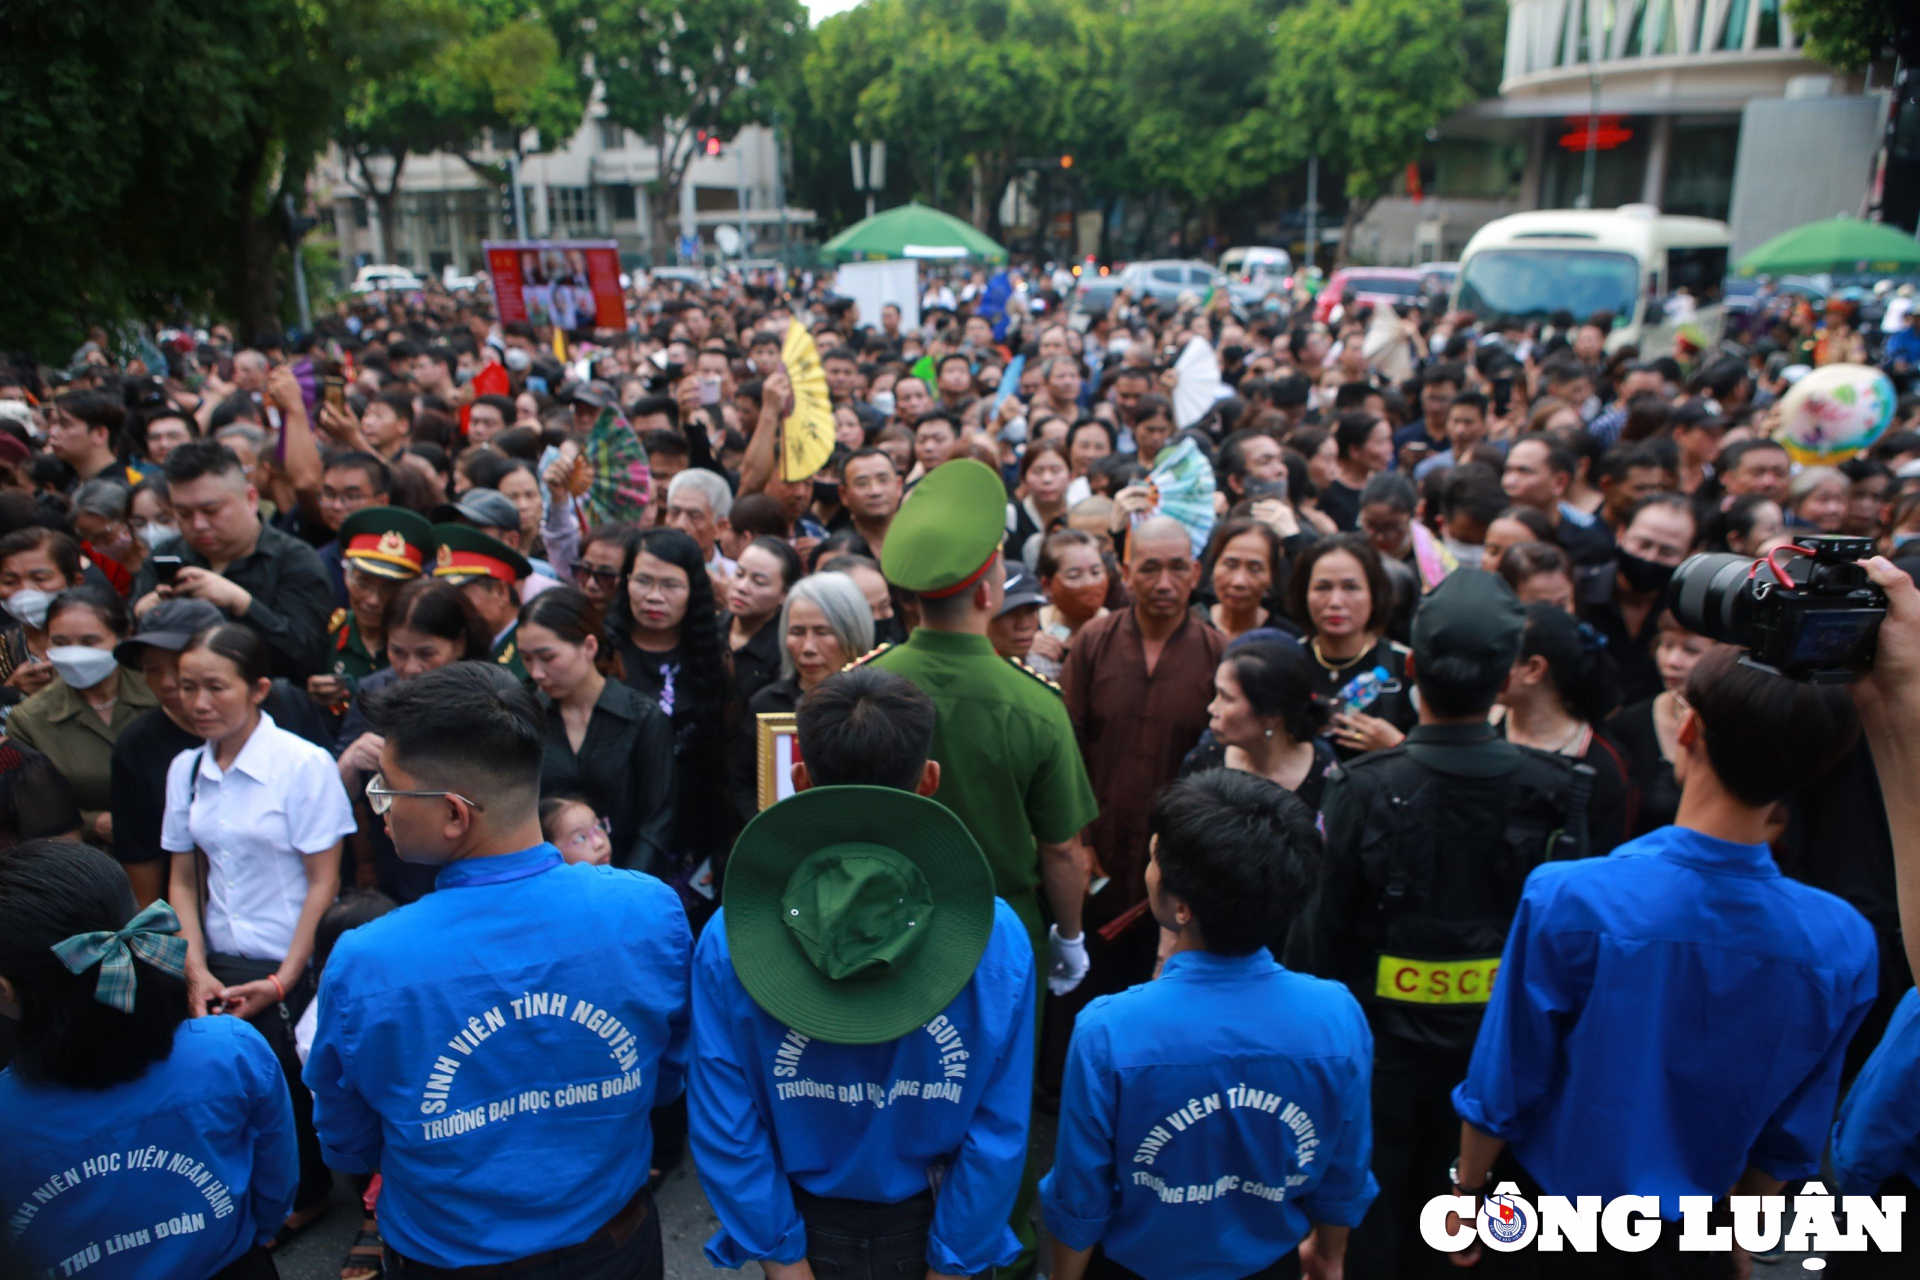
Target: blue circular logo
[1505,1218]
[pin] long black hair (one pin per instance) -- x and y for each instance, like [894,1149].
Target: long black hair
[703,701]
[1577,661]
[1277,680]
[51,890]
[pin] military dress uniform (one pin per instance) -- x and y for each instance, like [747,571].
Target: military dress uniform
[466,553]
[1428,846]
[384,542]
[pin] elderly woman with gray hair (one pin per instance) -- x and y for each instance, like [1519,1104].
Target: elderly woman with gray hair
[824,624]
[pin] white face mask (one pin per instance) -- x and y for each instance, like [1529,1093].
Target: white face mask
[81,667]
[156,534]
[518,361]
[29,605]
[883,401]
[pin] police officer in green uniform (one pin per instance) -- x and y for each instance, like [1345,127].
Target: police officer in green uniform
[490,572]
[1009,765]
[1428,844]
[382,547]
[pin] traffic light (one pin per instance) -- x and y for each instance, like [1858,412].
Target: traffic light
[1066,162]
[713,146]
[506,210]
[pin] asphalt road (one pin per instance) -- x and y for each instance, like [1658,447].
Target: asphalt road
[687,1221]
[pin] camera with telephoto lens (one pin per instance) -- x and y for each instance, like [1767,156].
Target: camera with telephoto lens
[1805,611]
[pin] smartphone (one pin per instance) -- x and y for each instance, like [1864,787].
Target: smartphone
[166,569]
[1502,394]
[709,391]
[333,385]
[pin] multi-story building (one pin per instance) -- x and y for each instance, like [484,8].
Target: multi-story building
[597,186]
[1705,107]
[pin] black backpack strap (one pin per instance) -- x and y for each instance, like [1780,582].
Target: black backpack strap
[1575,840]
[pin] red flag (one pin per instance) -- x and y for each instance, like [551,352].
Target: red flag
[492,380]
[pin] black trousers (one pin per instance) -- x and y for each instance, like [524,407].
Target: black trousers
[618,1255]
[255,1264]
[856,1240]
[1101,1267]
[1416,1135]
[275,1022]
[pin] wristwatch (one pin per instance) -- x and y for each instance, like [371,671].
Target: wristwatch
[1453,1179]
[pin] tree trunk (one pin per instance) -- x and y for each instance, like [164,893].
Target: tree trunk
[253,287]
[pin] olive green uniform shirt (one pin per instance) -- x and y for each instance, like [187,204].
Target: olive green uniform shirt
[1009,766]
[507,654]
[351,661]
[58,723]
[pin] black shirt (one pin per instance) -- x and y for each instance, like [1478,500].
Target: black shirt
[1394,704]
[624,769]
[1341,504]
[1650,772]
[756,664]
[292,597]
[781,697]
[1632,654]
[649,672]
[1212,754]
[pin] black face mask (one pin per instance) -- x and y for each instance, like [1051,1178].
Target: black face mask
[1643,575]
[889,631]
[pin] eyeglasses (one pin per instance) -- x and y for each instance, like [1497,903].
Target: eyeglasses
[606,573]
[665,586]
[380,799]
[580,839]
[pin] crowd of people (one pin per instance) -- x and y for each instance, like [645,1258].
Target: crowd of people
[371,808]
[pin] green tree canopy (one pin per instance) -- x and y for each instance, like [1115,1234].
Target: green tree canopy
[148,143]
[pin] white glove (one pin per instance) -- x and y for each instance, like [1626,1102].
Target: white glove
[1066,961]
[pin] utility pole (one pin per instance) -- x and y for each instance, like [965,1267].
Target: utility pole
[1313,211]
[780,186]
[519,197]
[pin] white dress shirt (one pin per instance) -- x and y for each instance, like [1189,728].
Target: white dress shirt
[279,802]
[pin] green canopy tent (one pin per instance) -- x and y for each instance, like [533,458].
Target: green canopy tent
[911,231]
[1835,246]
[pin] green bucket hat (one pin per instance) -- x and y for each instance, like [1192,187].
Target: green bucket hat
[855,914]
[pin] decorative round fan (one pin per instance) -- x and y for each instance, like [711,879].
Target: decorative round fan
[807,438]
[1182,481]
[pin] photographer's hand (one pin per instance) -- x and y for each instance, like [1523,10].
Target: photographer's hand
[1889,702]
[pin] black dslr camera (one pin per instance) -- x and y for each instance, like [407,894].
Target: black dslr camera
[1807,611]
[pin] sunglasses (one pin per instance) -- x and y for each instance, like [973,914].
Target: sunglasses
[607,574]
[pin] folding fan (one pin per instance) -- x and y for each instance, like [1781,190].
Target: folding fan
[1182,481]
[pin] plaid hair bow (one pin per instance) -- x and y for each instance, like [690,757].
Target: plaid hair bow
[152,935]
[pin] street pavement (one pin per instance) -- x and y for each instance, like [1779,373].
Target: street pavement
[686,1222]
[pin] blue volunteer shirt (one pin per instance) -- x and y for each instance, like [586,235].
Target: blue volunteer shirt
[880,1123]
[177,1173]
[1878,1133]
[494,1048]
[1667,1016]
[1211,1117]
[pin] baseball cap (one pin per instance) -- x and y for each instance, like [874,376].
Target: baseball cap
[168,625]
[1022,589]
[1466,633]
[487,508]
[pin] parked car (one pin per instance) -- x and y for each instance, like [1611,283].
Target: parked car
[372,279]
[1436,280]
[1382,286]
[1162,279]
[1254,272]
